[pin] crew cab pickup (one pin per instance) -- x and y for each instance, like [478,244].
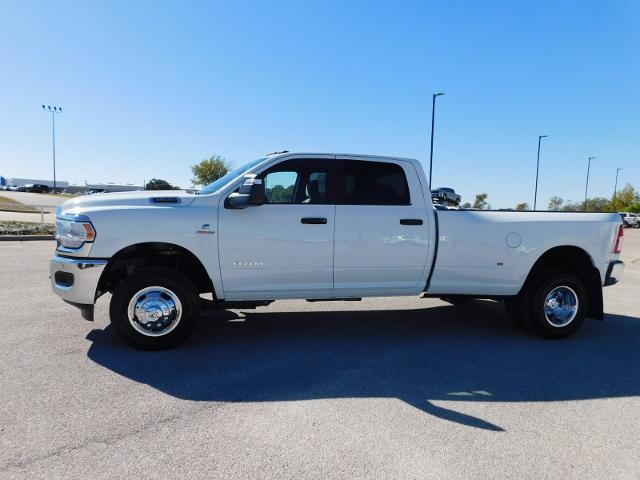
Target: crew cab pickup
[323,227]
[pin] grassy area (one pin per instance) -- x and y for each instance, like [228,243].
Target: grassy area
[25,228]
[10,205]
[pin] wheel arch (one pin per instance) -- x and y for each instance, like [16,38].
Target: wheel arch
[574,260]
[138,255]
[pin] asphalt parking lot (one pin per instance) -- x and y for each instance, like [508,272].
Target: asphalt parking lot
[385,388]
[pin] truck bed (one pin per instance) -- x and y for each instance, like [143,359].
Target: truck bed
[482,252]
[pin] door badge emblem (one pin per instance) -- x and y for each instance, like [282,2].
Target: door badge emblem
[246,263]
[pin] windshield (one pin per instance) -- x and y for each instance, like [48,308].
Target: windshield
[229,177]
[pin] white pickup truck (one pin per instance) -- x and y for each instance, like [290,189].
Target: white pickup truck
[323,227]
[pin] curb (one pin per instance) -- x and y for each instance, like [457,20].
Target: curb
[25,238]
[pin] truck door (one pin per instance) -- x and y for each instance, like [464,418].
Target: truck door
[382,234]
[284,248]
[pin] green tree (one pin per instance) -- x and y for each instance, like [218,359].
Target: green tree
[280,194]
[209,170]
[159,184]
[597,204]
[625,198]
[555,203]
[570,206]
[481,201]
[523,206]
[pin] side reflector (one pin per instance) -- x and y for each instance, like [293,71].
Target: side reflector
[91,233]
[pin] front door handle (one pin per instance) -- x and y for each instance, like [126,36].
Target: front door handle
[314,220]
[411,221]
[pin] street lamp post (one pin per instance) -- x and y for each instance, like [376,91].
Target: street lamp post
[586,187]
[53,111]
[615,188]
[535,194]
[433,117]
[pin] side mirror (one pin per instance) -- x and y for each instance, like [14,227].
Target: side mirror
[250,194]
[236,201]
[254,188]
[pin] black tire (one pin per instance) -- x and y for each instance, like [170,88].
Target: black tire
[569,286]
[456,300]
[173,284]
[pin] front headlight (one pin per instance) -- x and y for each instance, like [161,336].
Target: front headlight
[74,231]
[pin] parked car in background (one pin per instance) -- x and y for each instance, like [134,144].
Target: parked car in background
[630,219]
[445,195]
[34,188]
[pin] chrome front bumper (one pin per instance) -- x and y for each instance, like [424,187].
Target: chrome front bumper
[614,273]
[75,279]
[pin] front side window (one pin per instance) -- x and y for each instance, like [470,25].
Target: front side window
[374,183]
[300,181]
[280,186]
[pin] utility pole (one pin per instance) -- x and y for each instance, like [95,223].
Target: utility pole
[433,118]
[586,187]
[535,194]
[53,111]
[615,188]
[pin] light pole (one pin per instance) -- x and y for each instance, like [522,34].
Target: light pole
[53,111]
[586,187]
[433,118]
[535,194]
[615,188]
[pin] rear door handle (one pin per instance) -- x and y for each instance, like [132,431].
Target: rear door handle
[411,221]
[314,220]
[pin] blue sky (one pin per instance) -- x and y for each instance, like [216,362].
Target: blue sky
[149,88]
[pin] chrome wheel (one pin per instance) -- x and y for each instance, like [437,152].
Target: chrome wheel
[154,311]
[561,306]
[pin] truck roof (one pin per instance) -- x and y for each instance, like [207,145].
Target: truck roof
[349,155]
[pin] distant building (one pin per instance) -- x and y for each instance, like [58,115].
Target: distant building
[106,187]
[30,181]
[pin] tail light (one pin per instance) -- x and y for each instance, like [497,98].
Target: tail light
[618,246]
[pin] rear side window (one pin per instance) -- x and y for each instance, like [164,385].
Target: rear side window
[374,183]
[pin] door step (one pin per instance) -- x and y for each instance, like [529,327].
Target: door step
[231,305]
[313,300]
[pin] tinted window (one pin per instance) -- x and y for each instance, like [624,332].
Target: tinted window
[280,186]
[299,181]
[374,183]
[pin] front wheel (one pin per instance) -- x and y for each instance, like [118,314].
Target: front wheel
[154,308]
[557,305]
